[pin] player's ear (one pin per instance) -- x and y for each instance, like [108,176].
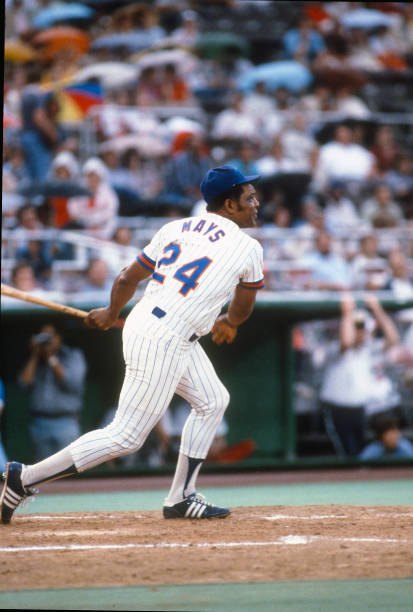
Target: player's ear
[230,206]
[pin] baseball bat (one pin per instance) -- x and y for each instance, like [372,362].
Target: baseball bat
[26,297]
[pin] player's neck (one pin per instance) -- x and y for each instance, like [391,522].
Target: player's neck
[223,214]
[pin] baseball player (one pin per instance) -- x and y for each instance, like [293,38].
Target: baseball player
[196,264]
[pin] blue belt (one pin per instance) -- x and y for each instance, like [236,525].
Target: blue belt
[159,313]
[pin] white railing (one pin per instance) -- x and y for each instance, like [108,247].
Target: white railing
[282,273]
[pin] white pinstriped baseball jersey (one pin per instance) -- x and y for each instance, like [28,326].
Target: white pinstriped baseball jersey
[197,262]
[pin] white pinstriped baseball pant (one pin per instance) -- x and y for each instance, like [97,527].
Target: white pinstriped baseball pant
[159,363]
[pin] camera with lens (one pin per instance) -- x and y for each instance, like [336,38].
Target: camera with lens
[43,338]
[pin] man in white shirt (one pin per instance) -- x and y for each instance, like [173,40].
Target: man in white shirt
[234,122]
[343,159]
[350,383]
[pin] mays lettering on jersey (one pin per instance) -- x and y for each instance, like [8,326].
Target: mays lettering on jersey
[196,264]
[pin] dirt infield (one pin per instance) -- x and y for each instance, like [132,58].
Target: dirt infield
[253,544]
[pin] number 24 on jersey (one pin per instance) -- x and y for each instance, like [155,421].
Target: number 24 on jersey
[188,274]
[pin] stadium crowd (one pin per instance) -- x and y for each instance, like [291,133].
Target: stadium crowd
[113,114]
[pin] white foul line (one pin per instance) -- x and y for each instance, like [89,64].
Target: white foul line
[285,540]
[317,517]
[312,517]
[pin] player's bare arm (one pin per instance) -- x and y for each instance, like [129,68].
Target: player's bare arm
[123,289]
[226,326]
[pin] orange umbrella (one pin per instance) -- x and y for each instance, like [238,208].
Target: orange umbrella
[55,39]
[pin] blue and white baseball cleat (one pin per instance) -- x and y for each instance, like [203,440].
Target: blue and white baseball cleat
[194,507]
[13,491]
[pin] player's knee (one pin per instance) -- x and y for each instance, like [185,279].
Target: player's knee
[125,443]
[224,399]
[220,402]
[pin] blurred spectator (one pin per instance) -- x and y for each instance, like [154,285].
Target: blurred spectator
[302,43]
[98,213]
[122,236]
[149,24]
[174,89]
[385,148]
[15,166]
[14,84]
[277,218]
[140,175]
[272,123]
[340,212]
[110,158]
[348,104]
[343,159]
[275,161]
[245,162]
[273,200]
[64,168]
[400,283]
[28,218]
[55,376]
[298,145]
[360,54]
[17,22]
[184,172]
[148,90]
[350,381]
[400,178]
[39,255]
[334,59]
[319,99]
[23,278]
[310,221]
[384,40]
[41,135]
[328,270]
[98,279]
[381,210]
[119,258]
[187,33]
[258,103]
[3,457]
[224,73]
[233,122]
[389,48]
[389,441]
[37,250]
[284,99]
[368,268]
[281,217]
[121,97]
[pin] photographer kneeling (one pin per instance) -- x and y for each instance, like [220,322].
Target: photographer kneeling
[55,375]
